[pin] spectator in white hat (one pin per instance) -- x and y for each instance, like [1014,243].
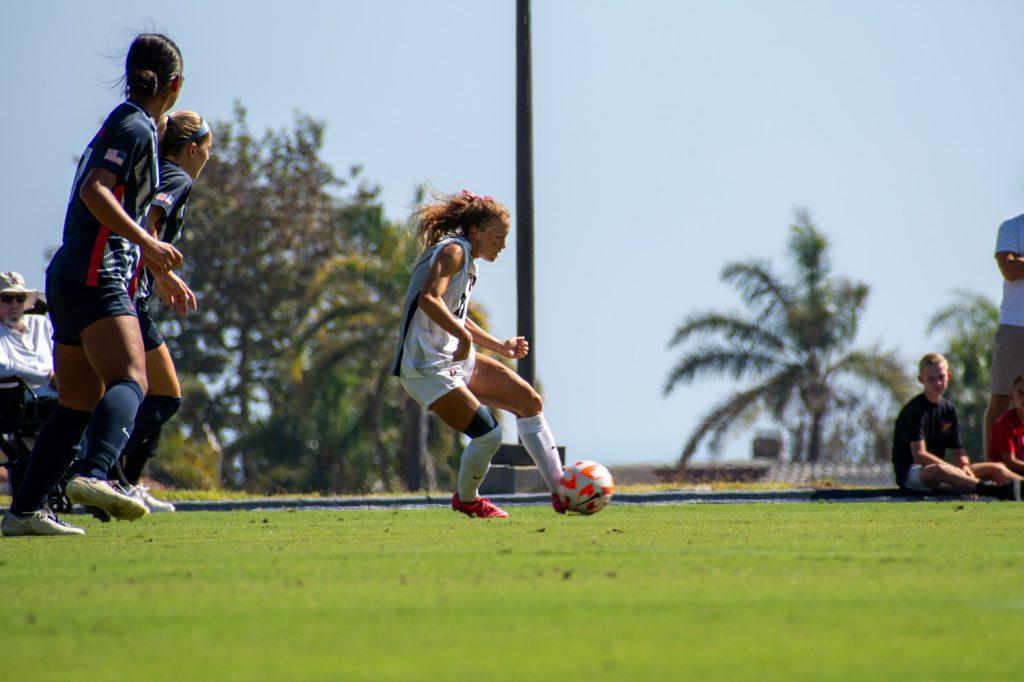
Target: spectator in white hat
[26,349]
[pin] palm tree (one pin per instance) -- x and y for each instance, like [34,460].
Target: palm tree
[970,323]
[353,308]
[794,341]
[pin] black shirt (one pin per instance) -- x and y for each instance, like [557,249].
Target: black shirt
[90,253]
[172,199]
[921,419]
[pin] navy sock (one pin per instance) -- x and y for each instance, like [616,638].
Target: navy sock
[55,449]
[153,413]
[110,428]
[135,459]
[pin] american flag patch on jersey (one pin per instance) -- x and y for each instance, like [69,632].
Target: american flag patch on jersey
[115,156]
[164,198]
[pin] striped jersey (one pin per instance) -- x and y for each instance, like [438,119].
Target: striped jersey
[90,253]
[425,348]
[172,199]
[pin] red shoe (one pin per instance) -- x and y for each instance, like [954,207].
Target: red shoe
[481,508]
[557,503]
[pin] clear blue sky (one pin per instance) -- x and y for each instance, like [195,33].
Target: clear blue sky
[671,138]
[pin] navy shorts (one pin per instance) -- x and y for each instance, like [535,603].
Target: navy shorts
[151,336]
[74,306]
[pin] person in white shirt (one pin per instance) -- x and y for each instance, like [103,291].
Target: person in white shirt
[26,349]
[1008,347]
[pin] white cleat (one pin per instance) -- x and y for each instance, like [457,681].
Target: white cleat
[141,493]
[97,493]
[41,522]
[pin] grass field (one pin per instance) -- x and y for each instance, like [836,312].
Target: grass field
[799,591]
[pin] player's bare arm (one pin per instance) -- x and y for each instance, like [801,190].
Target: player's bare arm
[448,263]
[1011,265]
[171,289]
[97,195]
[515,347]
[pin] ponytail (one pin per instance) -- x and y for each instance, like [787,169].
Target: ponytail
[455,215]
[152,63]
[180,129]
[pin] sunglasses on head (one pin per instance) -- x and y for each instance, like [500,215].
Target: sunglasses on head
[13,298]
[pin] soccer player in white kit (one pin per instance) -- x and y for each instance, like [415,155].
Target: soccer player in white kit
[436,361]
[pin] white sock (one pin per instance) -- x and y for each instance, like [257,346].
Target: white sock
[476,460]
[540,443]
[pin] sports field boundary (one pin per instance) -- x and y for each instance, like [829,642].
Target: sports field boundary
[658,497]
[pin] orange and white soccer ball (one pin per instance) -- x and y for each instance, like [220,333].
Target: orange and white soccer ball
[586,487]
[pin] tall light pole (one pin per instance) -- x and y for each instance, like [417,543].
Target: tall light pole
[510,459]
[524,192]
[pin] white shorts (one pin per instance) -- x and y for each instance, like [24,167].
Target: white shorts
[426,389]
[913,480]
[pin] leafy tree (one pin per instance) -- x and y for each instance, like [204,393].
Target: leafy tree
[794,341]
[970,322]
[262,220]
[301,280]
[345,338]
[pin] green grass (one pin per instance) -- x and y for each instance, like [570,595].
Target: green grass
[217,494]
[751,592]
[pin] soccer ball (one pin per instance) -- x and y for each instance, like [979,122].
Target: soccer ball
[586,487]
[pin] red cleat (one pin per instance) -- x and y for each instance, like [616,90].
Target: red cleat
[481,508]
[557,503]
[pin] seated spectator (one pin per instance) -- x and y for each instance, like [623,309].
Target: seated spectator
[927,426]
[26,349]
[1006,444]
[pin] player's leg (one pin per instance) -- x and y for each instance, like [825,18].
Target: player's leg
[498,386]
[994,471]
[79,389]
[459,409]
[162,402]
[114,348]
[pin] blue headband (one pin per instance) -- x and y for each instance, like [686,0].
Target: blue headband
[204,128]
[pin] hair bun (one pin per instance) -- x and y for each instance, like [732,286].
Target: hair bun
[143,82]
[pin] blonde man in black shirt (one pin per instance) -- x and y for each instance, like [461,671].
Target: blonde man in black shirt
[927,426]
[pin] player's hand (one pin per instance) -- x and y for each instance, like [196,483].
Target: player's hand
[516,347]
[173,291]
[464,347]
[161,256]
[968,470]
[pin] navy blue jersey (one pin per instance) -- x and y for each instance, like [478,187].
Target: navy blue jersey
[172,199]
[90,253]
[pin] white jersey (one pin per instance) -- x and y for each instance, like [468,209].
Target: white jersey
[424,348]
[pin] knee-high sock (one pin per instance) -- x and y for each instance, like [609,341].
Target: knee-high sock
[110,428]
[540,443]
[136,458]
[476,460]
[55,449]
[154,412]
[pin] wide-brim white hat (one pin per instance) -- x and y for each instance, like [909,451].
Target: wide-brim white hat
[13,283]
